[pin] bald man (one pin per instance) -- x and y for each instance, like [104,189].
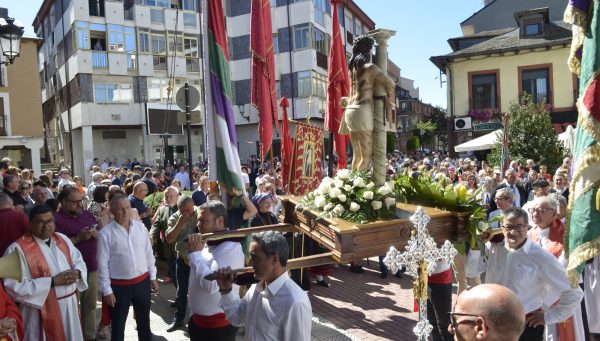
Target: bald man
[487,312]
[136,199]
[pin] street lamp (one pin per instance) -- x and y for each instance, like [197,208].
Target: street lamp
[10,39]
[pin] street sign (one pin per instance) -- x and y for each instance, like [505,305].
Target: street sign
[487,126]
[194,97]
[195,118]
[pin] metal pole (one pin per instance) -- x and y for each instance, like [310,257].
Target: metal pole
[330,153]
[188,121]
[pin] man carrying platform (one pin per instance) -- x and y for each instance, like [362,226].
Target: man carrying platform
[208,321]
[53,272]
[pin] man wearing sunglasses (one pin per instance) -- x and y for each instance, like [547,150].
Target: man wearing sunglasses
[487,312]
[531,273]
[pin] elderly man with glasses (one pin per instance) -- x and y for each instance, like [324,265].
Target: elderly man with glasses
[548,233]
[503,198]
[532,273]
[487,312]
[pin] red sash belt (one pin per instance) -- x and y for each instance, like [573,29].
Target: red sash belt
[213,321]
[67,295]
[443,277]
[132,281]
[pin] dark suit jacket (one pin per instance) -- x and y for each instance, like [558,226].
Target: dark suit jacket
[199,197]
[522,192]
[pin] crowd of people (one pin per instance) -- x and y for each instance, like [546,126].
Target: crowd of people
[80,243]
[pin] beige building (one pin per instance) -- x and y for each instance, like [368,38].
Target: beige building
[489,70]
[21,129]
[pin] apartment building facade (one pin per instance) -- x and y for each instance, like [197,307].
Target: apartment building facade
[109,71]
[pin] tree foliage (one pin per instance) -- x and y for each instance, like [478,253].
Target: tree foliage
[412,144]
[438,117]
[530,136]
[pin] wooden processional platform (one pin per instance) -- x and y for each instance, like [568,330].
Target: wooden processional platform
[348,241]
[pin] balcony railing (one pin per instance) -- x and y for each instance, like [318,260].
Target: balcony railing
[99,59]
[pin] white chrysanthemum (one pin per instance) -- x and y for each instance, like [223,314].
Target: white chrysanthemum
[334,192]
[324,189]
[338,210]
[390,202]
[383,190]
[348,188]
[368,195]
[354,207]
[358,182]
[328,207]
[342,197]
[320,201]
[338,183]
[343,173]
[376,204]
[327,181]
[370,185]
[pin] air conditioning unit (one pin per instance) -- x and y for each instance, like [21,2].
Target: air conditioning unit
[462,123]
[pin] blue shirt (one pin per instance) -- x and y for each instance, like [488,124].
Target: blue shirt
[141,207]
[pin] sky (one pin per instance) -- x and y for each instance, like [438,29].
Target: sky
[423,28]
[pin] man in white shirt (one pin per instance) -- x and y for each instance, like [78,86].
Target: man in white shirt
[183,177]
[531,273]
[246,178]
[208,320]
[276,308]
[53,273]
[504,200]
[126,270]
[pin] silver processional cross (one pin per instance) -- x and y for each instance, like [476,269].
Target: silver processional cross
[419,259]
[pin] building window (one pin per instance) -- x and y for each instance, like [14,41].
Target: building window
[190,45]
[96,8]
[320,41]
[175,44]
[189,5]
[113,93]
[81,37]
[144,40]
[301,36]
[484,91]
[275,43]
[189,19]
[319,82]
[304,84]
[533,29]
[159,51]
[157,16]
[157,90]
[320,11]
[535,82]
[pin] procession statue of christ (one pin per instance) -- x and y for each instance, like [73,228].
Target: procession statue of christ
[359,115]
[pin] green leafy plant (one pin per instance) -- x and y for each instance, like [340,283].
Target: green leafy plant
[530,136]
[412,144]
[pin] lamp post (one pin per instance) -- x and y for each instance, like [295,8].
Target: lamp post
[10,39]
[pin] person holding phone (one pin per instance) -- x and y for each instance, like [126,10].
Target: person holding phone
[76,223]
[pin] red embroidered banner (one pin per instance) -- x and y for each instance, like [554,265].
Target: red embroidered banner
[307,160]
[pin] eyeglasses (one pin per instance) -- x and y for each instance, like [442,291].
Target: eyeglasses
[454,323]
[517,227]
[500,198]
[540,210]
[75,201]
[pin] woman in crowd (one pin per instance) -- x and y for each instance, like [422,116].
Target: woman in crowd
[99,205]
[79,184]
[25,192]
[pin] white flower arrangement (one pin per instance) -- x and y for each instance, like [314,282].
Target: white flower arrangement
[352,196]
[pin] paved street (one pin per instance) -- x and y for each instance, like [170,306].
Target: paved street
[355,307]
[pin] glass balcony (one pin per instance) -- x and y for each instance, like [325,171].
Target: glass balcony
[99,59]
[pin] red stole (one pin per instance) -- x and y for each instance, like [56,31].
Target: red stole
[50,313]
[555,247]
[9,309]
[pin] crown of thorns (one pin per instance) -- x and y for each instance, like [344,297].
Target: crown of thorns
[364,41]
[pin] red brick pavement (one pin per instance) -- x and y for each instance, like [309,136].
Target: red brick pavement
[366,306]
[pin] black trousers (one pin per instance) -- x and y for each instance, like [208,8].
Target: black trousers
[532,334]
[126,295]
[438,306]
[211,334]
[183,277]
